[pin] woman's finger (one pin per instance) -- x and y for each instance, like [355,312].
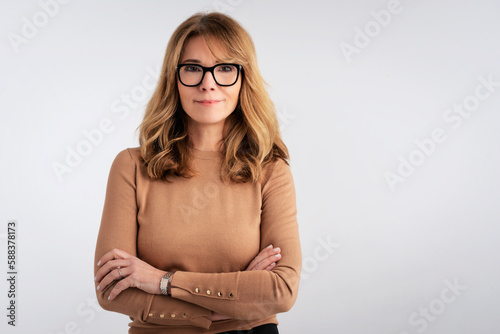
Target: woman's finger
[262,265]
[109,266]
[114,275]
[119,287]
[111,255]
[267,256]
[258,258]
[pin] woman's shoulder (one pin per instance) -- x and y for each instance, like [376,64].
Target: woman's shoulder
[278,169]
[127,157]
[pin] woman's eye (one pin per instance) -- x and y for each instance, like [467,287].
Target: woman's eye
[225,68]
[192,68]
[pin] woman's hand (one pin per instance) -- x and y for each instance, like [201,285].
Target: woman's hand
[265,260]
[130,271]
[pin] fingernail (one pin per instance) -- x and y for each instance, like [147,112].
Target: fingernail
[273,264]
[95,278]
[277,255]
[99,263]
[270,246]
[98,287]
[276,249]
[109,297]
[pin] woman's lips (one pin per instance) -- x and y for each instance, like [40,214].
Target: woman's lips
[208,102]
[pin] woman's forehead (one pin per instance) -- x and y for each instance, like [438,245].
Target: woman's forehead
[199,46]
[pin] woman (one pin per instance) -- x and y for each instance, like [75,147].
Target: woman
[199,231]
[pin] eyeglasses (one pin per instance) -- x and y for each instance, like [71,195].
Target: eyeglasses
[192,75]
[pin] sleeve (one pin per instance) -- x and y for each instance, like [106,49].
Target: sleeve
[249,295]
[119,230]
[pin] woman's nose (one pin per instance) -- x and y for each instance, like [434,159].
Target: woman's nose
[208,82]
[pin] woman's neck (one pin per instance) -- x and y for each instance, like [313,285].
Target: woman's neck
[206,137]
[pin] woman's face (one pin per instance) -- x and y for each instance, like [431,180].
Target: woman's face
[207,103]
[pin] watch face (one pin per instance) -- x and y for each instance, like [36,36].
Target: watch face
[164,284]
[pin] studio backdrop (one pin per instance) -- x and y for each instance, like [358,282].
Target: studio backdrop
[390,110]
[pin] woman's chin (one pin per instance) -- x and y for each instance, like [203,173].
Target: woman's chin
[207,120]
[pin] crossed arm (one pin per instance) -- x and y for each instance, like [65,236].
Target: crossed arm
[128,271]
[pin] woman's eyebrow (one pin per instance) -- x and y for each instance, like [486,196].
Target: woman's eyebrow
[196,61]
[192,61]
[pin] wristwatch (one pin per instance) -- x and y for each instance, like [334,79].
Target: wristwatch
[165,282]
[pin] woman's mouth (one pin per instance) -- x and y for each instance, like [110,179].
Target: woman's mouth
[207,102]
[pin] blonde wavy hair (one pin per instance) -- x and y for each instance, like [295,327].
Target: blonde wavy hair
[251,136]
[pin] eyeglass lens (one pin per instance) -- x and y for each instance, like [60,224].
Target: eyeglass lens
[224,74]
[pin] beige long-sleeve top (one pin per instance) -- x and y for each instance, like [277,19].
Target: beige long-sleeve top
[208,232]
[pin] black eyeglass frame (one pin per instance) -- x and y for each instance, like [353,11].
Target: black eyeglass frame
[211,70]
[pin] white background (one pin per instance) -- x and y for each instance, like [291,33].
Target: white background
[348,120]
